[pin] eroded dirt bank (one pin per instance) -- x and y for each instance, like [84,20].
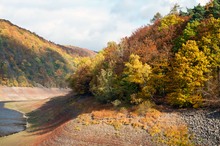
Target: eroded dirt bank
[28,93]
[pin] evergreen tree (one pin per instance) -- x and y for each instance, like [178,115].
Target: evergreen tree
[156,17]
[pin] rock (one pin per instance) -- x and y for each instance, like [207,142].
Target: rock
[205,124]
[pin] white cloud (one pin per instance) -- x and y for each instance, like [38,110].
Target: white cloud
[85,23]
[202,2]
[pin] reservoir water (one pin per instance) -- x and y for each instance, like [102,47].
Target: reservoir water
[11,121]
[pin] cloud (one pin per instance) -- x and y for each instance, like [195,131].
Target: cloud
[85,23]
[202,2]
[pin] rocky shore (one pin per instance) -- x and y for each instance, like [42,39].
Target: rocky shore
[204,125]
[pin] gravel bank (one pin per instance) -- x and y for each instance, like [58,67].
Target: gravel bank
[204,124]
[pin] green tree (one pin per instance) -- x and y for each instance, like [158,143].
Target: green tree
[156,17]
[104,88]
[189,33]
[214,9]
[175,9]
[197,13]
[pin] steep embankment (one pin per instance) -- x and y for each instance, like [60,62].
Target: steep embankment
[27,59]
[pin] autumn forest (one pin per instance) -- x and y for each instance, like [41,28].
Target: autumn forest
[174,60]
[158,86]
[28,60]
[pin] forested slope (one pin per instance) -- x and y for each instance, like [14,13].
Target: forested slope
[176,59]
[77,51]
[29,60]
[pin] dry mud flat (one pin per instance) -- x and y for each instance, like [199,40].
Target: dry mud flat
[28,93]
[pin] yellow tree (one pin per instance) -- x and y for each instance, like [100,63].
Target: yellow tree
[170,20]
[210,41]
[84,72]
[138,73]
[187,75]
[210,44]
[81,78]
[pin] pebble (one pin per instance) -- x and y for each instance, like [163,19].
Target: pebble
[205,125]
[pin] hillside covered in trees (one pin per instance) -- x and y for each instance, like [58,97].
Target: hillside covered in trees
[175,60]
[29,60]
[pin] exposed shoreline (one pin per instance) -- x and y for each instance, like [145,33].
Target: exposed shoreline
[29,93]
[14,121]
[202,124]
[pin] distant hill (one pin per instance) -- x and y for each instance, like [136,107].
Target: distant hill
[76,51]
[27,59]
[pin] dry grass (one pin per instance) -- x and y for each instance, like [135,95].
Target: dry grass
[163,127]
[170,130]
[84,119]
[103,114]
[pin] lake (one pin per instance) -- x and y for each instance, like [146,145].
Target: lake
[11,121]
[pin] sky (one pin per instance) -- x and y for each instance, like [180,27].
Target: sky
[86,23]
